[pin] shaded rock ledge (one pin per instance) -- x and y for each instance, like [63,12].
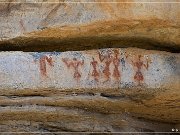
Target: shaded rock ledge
[106,90]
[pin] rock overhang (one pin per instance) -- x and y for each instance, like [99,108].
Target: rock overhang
[44,26]
[100,75]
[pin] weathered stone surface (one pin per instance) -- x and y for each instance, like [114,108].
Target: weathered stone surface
[156,25]
[107,90]
[105,68]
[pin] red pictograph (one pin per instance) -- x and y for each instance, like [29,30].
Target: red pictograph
[116,63]
[107,59]
[43,66]
[95,72]
[75,64]
[139,64]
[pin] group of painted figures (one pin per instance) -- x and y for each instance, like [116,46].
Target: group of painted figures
[107,58]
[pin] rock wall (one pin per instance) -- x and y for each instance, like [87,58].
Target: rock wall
[19,18]
[105,68]
[109,86]
[106,90]
[150,25]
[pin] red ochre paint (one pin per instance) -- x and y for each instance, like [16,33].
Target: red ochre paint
[95,72]
[107,61]
[111,57]
[43,60]
[75,65]
[139,64]
[116,63]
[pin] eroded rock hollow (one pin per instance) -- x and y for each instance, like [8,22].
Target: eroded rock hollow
[89,66]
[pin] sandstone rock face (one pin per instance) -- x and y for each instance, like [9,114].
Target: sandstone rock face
[107,90]
[102,82]
[105,68]
[117,24]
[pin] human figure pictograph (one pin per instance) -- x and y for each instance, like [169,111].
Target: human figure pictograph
[95,72]
[107,59]
[139,64]
[116,63]
[74,63]
[43,61]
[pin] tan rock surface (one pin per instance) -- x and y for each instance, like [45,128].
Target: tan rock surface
[37,97]
[68,25]
[63,24]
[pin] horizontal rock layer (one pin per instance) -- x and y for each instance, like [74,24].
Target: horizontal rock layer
[107,90]
[105,68]
[69,26]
